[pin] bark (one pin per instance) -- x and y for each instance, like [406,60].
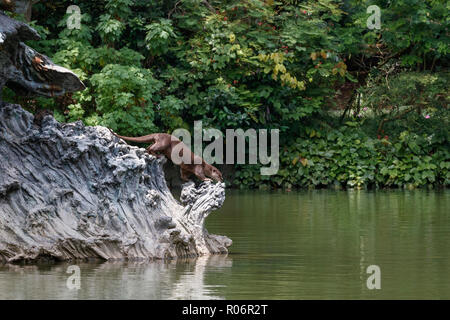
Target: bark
[26,71]
[23,7]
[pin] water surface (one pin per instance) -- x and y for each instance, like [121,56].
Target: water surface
[297,245]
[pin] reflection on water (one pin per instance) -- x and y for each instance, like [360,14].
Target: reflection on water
[299,245]
[155,280]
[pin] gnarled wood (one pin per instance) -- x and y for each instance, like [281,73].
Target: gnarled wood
[73,192]
[26,71]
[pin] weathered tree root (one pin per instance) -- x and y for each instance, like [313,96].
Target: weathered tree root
[68,191]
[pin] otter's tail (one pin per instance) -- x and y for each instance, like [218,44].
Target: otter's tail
[144,139]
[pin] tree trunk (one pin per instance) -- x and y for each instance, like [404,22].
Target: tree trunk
[19,6]
[73,192]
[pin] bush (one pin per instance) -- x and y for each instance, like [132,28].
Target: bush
[310,68]
[349,158]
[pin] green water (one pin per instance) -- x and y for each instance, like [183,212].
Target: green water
[298,245]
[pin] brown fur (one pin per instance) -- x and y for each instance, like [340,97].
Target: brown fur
[163,143]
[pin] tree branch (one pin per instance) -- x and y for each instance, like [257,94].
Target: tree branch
[210,7]
[174,8]
[401,115]
[394,55]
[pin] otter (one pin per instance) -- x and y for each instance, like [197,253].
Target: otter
[163,143]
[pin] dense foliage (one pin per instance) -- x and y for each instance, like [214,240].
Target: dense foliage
[355,107]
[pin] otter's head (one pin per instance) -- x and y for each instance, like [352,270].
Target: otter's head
[214,173]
